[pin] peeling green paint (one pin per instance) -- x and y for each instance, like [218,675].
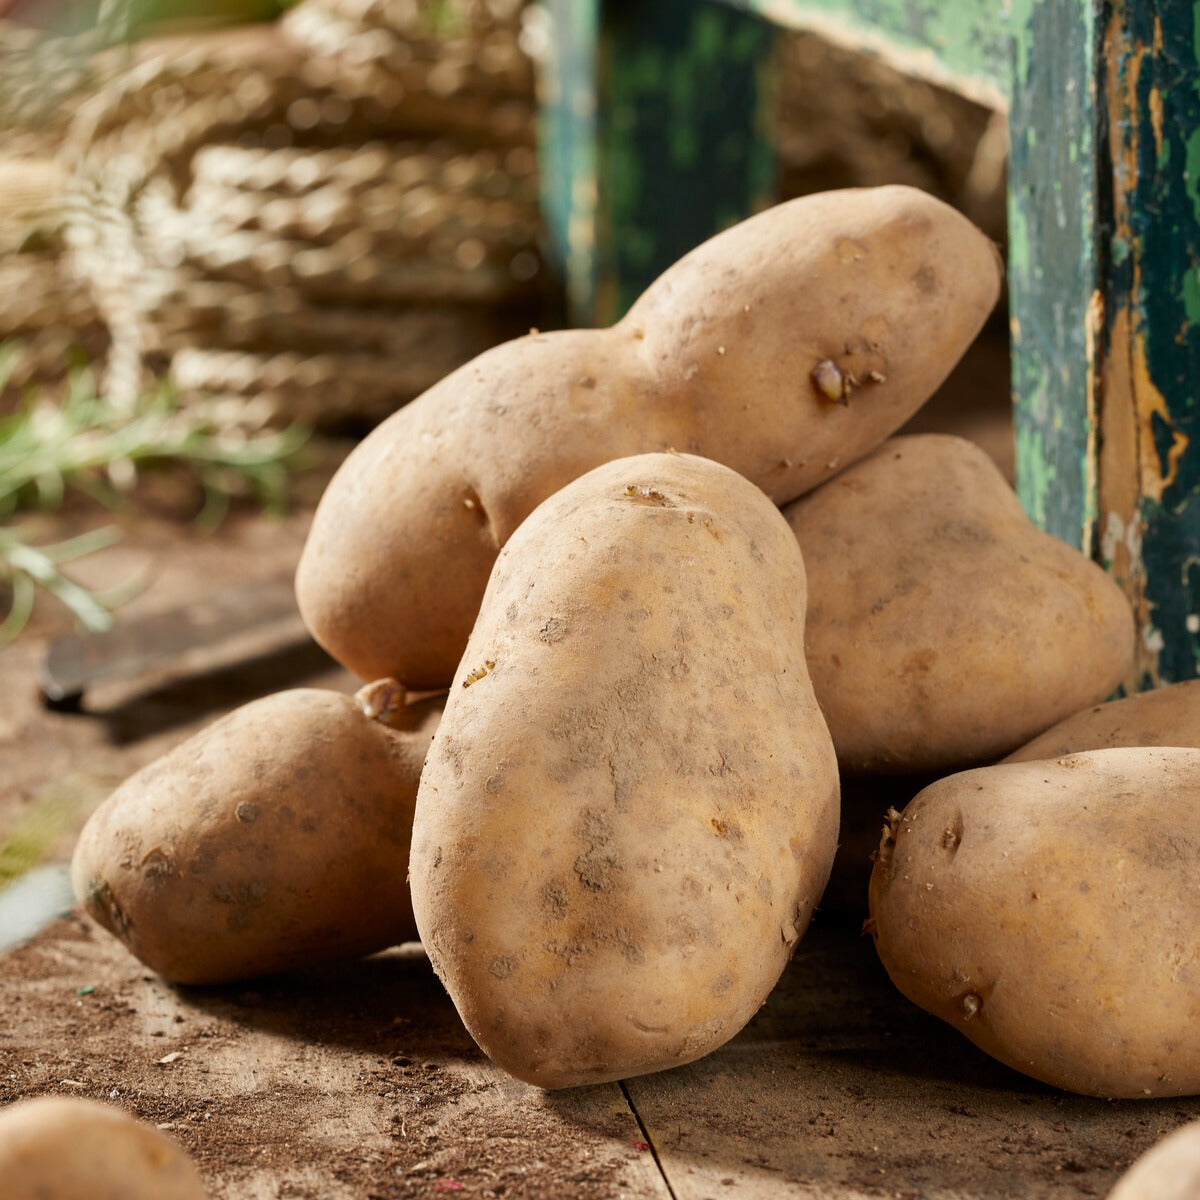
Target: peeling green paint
[955,42]
[1155,118]
[1052,269]
[651,136]
[682,143]
[567,147]
[1037,475]
[1191,169]
[1191,295]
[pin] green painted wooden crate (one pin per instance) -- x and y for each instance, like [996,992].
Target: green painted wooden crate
[654,135]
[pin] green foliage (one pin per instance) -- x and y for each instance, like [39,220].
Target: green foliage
[88,444]
[51,815]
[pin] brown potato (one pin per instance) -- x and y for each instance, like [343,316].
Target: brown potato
[944,629]
[1166,716]
[786,348]
[1169,1170]
[66,1148]
[275,838]
[1050,911]
[630,809]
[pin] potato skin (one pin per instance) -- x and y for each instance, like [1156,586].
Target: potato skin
[884,286]
[630,809]
[66,1148]
[1169,1170]
[275,838]
[1050,911]
[1165,716]
[944,629]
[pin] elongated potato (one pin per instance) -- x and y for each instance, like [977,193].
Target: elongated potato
[786,348]
[1166,716]
[1050,911]
[1169,1170]
[67,1148]
[275,838]
[630,809]
[944,629]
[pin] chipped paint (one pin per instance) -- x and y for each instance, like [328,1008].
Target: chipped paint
[1037,473]
[963,47]
[1150,420]
[567,143]
[1093,332]
[1054,282]
[1156,120]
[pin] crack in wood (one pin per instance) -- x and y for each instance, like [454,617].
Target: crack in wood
[637,1116]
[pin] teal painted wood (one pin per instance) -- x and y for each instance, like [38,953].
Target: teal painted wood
[1053,270]
[568,149]
[965,43]
[684,146]
[1150,415]
[1104,211]
[653,139]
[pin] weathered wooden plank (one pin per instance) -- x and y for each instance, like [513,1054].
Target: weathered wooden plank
[840,1089]
[964,45]
[1149,92]
[1053,269]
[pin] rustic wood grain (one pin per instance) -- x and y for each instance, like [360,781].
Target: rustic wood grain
[840,1089]
[337,1084]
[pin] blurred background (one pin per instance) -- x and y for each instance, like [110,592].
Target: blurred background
[228,228]
[235,235]
[328,205]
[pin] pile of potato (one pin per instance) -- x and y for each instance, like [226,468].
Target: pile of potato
[674,581]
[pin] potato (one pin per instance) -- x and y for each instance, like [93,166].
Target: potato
[1050,911]
[1166,716]
[944,629]
[630,809]
[275,838]
[785,347]
[66,1148]
[1169,1170]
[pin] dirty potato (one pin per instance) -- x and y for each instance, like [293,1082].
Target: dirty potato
[67,1148]
[785,347]
[630,809]
[944,628]
[1165,716]
[1050,911]
[275,838]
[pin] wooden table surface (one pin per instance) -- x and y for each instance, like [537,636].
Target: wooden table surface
[359,1082]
